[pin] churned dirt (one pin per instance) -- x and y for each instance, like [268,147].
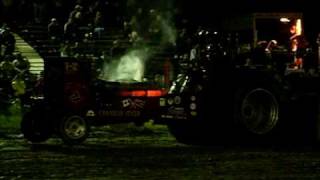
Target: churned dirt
[127,152]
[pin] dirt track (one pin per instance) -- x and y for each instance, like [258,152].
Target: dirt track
[150,153]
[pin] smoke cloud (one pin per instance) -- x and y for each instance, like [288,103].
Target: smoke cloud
[153,24]
[168,31]
[129,67]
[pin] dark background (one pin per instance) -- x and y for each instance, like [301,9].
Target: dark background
[205,12]
[200,11]
[187,13]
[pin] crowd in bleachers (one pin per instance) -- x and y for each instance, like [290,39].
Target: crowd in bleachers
[74,27]
[15,77]
[85,24]
[76,23]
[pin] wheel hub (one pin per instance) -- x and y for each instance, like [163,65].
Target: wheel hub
[75,127]
[260,111]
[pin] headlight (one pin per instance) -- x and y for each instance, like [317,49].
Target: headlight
[170,101]
[177,100]
[90,113]
[162,102]
[193,106]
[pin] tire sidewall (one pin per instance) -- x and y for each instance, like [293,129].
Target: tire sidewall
[243,134]
[63,134]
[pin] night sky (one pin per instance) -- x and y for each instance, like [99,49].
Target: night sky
[204,11]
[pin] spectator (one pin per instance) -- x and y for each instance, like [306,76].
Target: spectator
[54,31]
[70,31]
[116,51]
[8,40]
[154,31]
[98,24]
[7,68]
[298,44]
[318,48]
[76,12]
[21,64]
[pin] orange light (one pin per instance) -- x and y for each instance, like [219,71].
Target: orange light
[142,93]
[154,93]
[138,93]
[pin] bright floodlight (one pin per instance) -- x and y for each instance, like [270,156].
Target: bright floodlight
[284,20]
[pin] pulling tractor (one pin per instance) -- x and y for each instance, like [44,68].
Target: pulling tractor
[74,99]
[240,86]
[244,86]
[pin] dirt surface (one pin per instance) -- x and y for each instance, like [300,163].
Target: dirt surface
[124,152]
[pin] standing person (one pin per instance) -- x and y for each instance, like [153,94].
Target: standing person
[294,44]
[7,73]
[54,31]
[70,31]
[7,69]
[1,42]
[298,44]
[8,40]
[76,11]
[318,48]
[98,24]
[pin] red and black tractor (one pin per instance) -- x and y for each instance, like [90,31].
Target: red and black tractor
[74,99]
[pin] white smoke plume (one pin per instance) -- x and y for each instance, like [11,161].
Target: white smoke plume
[168,31]
[129,67]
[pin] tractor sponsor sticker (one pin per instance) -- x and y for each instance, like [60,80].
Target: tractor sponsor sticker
[71,67]
[119,113]
[133,103]
[175,113]
[75,97]
[176,110]
[76,93]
